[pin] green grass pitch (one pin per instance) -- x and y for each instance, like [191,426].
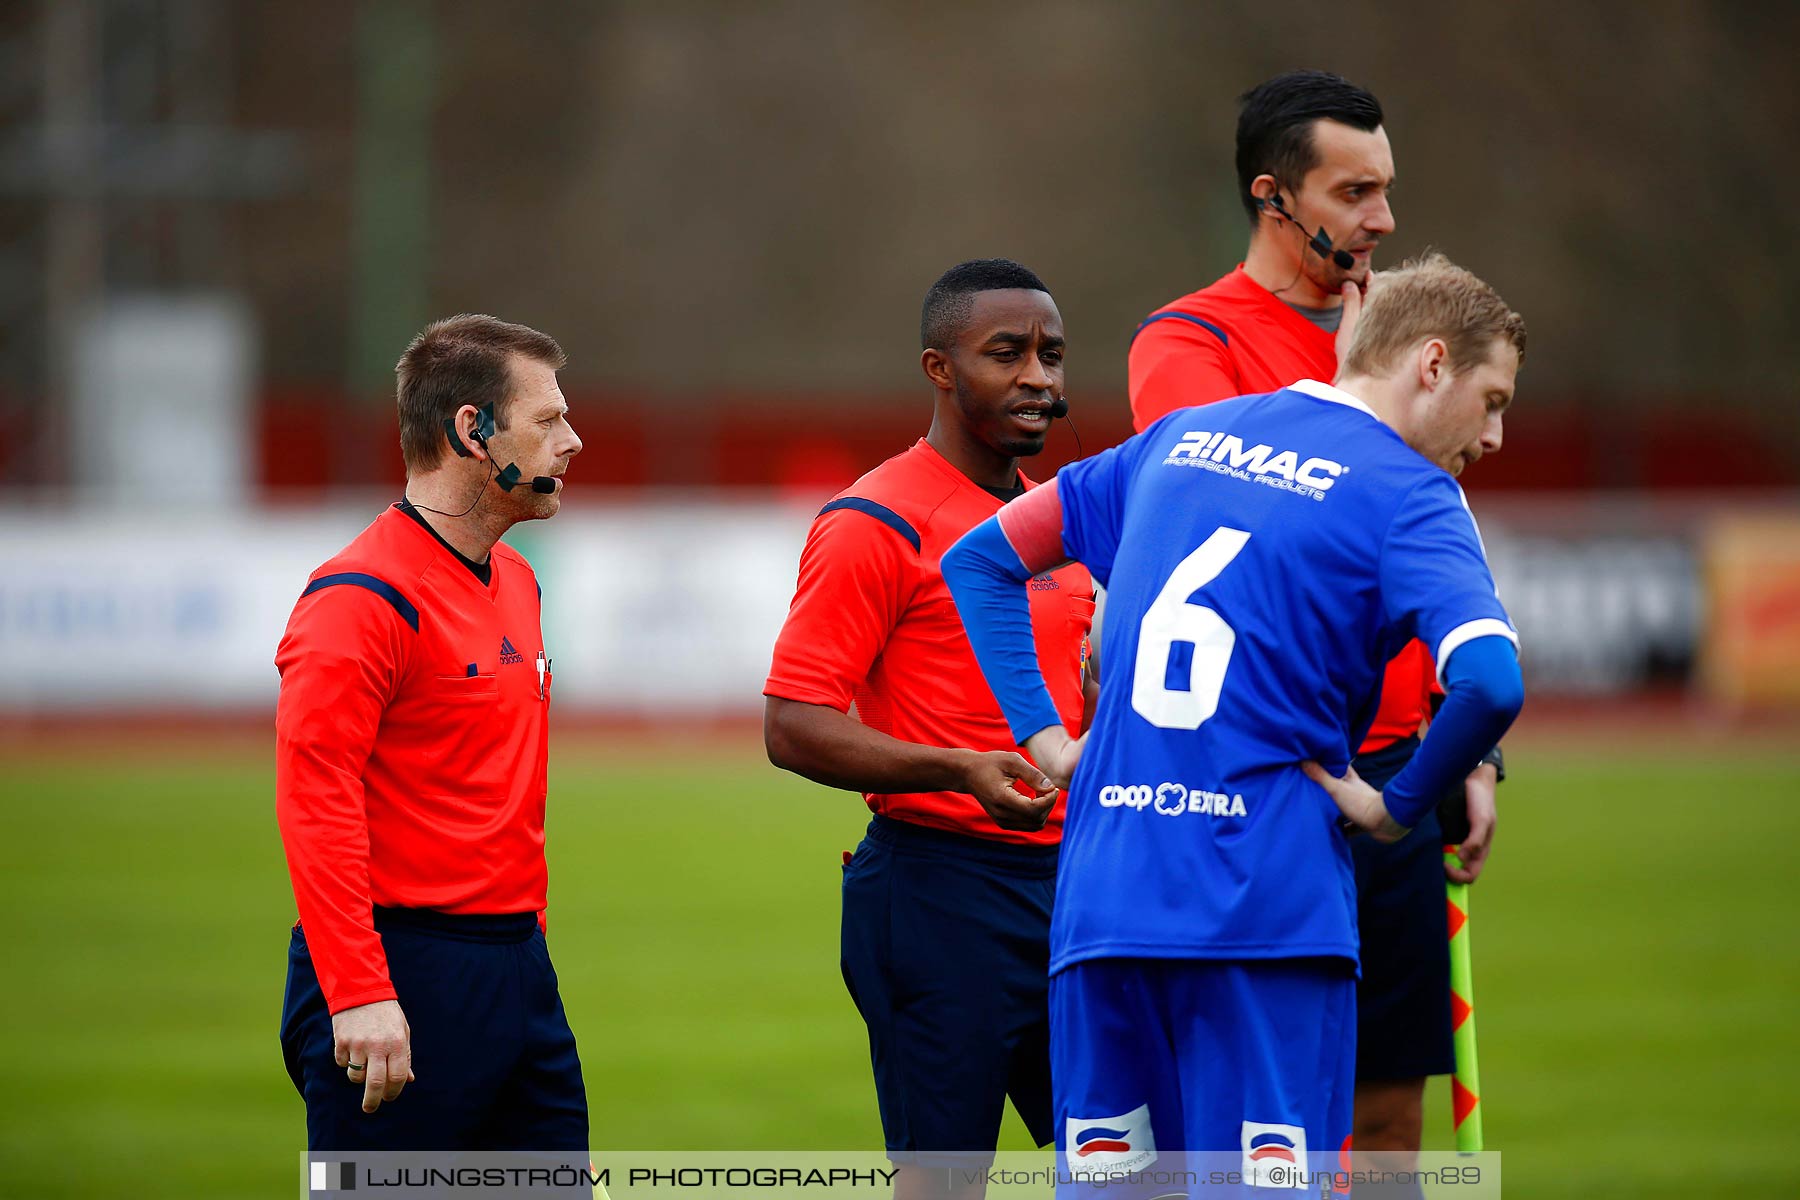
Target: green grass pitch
[1635,948]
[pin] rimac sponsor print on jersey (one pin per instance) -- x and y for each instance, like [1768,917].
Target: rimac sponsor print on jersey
[1226,454]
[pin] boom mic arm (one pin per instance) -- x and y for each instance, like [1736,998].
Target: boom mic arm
[1320,241]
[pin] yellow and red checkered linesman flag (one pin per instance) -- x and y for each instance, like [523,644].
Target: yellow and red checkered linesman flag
[1465,1086]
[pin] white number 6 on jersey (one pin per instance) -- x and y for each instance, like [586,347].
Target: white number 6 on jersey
[1171,620]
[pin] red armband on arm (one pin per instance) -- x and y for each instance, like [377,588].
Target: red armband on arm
[1033,525]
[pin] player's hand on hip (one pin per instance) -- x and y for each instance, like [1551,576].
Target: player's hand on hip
[1056,753]
[373,1043]
[989,777]
[1361,804]
[1478,794]
[1353,305]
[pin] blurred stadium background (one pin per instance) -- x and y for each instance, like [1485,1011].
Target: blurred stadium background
[220,223]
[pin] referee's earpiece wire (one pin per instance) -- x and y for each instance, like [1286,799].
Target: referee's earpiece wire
[1079,452]
[493,463]
[1274,202]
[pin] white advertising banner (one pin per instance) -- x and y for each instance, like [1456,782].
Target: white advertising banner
[671,609]
[665,610]
[176,610]
[647,610]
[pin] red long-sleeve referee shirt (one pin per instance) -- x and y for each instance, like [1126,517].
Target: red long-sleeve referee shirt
[410,745]
[873,623]
[1236,338]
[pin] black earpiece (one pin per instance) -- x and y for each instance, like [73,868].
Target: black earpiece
[509,476]
[484,429]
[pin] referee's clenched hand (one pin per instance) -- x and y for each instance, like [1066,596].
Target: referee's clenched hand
[373,1044]
[989,777]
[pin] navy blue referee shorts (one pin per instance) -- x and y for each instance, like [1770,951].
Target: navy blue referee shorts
[946,952]
[491,1047]
[1403,1026]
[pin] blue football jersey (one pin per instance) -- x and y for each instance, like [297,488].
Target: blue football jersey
[1263,558]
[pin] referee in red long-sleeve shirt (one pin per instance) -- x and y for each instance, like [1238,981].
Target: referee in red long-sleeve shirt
[410,780]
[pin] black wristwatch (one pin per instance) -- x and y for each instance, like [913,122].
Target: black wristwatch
[1453,809]
[1498,760]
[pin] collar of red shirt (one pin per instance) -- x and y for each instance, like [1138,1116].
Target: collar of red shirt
[928,453]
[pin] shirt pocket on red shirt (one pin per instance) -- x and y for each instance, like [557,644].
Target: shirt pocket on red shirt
[1081,613]
[471,759]
[451,689]
[1081,618]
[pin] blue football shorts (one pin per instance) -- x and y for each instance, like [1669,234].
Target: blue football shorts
[1250,1062]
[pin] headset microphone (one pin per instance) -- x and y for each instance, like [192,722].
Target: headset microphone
[510,476]
[1320,241]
